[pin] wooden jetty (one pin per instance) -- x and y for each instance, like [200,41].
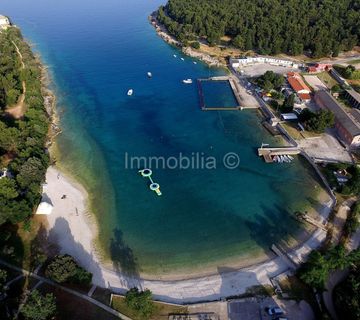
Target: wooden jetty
[304,217]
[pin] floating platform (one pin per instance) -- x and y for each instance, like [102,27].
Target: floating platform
[154,186]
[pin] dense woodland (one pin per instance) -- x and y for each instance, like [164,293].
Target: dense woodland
[268,26]
[22,141]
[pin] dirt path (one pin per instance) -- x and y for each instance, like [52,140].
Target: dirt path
[340,219]
[19,109]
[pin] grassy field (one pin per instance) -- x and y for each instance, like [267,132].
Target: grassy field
[327,79]
[295,133]
[162,310]
[356,61]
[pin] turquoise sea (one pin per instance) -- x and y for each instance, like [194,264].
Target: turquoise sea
[97,50]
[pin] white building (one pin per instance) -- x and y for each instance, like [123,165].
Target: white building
[246,61]
[4,22]
[44,208]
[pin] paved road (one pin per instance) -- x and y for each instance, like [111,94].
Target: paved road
[338,276]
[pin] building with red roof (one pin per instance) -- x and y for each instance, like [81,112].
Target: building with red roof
[319,67]
[297,83]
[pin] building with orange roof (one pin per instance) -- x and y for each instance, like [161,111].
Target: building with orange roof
[297,83]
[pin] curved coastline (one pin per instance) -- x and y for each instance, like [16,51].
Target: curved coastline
[82,232]
[75,232]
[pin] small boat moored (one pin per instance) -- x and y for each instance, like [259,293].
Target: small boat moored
[188,81]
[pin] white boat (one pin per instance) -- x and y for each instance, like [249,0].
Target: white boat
[281,159]
[187,81]
[175,56]
[195,62]
[149,74]
[291,158]
[182,59]
[130,92]
[276,159]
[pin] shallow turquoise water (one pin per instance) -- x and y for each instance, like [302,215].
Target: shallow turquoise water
[96,51]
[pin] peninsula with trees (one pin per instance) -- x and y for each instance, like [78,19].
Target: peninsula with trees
[316,28]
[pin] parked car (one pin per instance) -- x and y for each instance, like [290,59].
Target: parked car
[274,311]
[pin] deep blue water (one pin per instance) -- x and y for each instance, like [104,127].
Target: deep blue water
[218,94]
[97,50]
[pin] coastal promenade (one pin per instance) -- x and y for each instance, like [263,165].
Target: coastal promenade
[70,227]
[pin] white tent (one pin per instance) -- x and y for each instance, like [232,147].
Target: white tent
[44,208]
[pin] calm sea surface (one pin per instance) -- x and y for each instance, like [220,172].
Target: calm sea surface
[97,50]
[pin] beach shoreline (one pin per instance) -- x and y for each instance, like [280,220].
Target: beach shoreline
[74,209]
[74,230]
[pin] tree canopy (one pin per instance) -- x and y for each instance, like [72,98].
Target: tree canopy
[22,141]
[347,296]
[64,268]
[318,121]
[269,27]
[270,81]
[39,307]
[316,270]
[141,302]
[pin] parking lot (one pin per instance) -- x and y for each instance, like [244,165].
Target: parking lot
[255,308]
[259,69]
[325,147]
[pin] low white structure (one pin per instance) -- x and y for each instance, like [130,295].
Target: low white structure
[4,22]
[44,208]
[4,173]
[288,116]
[245,61]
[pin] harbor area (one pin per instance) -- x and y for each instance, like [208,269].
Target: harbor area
[281,154]
[223,93]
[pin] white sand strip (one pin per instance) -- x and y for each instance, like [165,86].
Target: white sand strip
[70,227]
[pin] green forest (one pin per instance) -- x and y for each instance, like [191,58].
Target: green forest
[316,27]
[23,159]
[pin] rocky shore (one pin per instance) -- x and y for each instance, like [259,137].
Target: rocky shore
[165,35]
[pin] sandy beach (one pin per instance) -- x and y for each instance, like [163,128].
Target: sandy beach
[72,227]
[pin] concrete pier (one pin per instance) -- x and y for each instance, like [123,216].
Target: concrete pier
[268,153]
[233,88]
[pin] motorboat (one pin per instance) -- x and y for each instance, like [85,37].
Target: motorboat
[149,74]
[130,92]
[188,81]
